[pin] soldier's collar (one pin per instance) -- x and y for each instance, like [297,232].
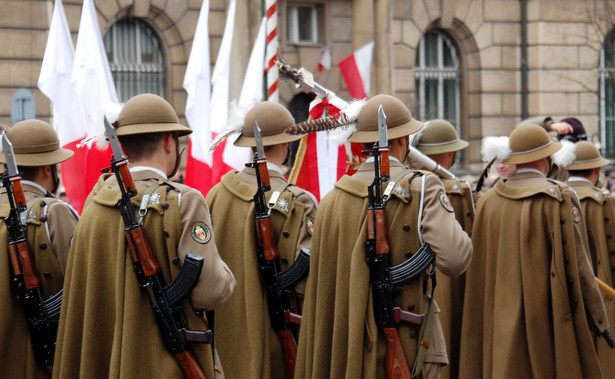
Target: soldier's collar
[509,189]
[580,179]
[136,169]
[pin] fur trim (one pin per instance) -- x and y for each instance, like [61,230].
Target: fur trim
[565,156]
[495,148]
[236,119]
[112,112]
[349,115]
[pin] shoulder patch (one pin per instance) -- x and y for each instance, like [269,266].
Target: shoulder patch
[576,215]
[200,232]
[309,225]
[446,203]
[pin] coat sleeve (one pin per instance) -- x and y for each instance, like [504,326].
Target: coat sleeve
[216,283]
[61,222]
[305,234]
[441,230]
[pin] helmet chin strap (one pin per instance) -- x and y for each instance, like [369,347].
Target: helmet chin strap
[56,178]
[178,156]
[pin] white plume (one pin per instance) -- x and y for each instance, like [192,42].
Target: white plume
[565,156]
[495,147]
[236,119]
[112,112]
[350,114]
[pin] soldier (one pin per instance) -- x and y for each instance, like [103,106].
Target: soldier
[107,327]
[530,283]
[439,141]
[339,337]
[247,344]
[597,211]
[50,227]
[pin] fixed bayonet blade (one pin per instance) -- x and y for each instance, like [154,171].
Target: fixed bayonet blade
[383,138]
[115,143]
[9,156]
[260,150]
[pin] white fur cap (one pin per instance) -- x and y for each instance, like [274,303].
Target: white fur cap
[350,114]
[495,148]
[565,156]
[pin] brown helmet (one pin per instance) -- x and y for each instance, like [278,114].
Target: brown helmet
[587,157]
[272,119]
[35,143]
[438,137]
[399,120]
[529,143]
[146,114]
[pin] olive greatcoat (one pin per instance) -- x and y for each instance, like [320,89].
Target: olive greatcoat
[247,344]
[50,227]
[107,327]
[595,211]
[449,291]
[530,285]
[339,337]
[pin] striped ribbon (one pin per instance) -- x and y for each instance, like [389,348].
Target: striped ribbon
[271,53]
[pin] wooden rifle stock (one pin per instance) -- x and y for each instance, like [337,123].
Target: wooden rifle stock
[290,351]
[396,363]
[385,169]
[189,365]
[22,251]
[129,183]
[140,250]
[265,238]
[18,193]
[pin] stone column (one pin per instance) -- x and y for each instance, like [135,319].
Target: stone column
[383,49]
[241,48]
[362,22]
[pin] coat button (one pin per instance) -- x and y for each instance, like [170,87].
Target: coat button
[165,233]
[175,260]
[43,203]
[406,227]
[285,233]
[43,218]
[42,245]
[412,334]
[292,211]
[410,307]
[165,205]
[47,275]
[553,274]
[284,260]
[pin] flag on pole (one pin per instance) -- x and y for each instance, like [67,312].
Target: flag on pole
[325,60]
[272,49]
[356,71]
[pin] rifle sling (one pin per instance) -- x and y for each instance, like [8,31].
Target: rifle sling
[427,332]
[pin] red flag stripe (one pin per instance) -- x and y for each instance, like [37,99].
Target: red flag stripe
[352,77]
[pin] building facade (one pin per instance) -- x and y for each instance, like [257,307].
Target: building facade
[482,64]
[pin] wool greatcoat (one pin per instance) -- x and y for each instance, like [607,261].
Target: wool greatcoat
[596,213]
[449,292]
[107,327]
[51,224]
[247,344]
[339,337]
[530,285]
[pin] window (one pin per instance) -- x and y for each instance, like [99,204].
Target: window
[302,23]
[136,60]
[606,77]
[437,79]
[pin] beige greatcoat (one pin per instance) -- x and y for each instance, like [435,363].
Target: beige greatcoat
[530,285]
[247,344]
[449,291]
[107,327]
[596,211]
[339,337]
[50,228]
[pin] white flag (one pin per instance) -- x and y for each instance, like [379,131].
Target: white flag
[55,79]
[91,77]
[251,93]
[197,85]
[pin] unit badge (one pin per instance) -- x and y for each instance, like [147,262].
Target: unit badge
[309,225]
[31,214]
[456,187]
[282,204]
[598,197]
[576,215]
[552,191]
[400,190]
[446,203]
[154,198]
[200,232]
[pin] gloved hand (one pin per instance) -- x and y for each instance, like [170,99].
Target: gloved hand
[609,339]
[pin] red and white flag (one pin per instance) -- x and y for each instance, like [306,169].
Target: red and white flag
[356,71]
[79,84]
[325,60]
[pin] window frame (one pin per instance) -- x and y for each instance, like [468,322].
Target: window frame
[292,35]
[606,75]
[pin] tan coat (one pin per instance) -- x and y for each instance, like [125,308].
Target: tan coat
[107,327]
[245,340]
[596,211]
[50,228]
[530,285]
[339,337]
[449,291]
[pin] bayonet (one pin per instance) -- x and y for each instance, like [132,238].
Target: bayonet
[9,156]
[260,150]
[383,138]
[115,143]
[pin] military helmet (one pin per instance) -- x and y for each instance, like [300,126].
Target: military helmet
[146,114]
[438,137]
[272,119]
[399,120]
[529,143]
[35,143]
[587,157]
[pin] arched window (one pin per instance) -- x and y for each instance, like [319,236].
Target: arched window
[437,78]
[135,57]
[606,76]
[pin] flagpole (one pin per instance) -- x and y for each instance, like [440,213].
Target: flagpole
[271,54]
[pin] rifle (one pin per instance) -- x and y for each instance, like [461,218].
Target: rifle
[165,300]
[42,316]
[277,284]
[386,279]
